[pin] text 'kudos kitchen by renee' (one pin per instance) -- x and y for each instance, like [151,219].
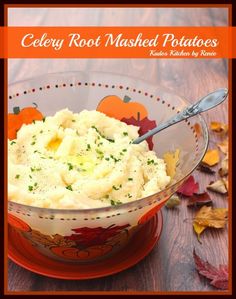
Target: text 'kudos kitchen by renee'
[76,40]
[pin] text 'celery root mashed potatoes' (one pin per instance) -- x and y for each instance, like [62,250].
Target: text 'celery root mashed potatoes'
[82,160]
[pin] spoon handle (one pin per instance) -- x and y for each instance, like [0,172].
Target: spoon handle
[210,101]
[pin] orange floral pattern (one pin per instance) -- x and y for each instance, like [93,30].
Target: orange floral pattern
[85,243]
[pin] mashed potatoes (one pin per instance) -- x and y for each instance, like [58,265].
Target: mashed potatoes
[81,161]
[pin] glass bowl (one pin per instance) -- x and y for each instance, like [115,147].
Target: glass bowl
[90,234]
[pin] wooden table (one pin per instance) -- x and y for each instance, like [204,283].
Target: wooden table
[170,265]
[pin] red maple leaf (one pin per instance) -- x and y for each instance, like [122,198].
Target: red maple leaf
[219,277]
[199,199]
[86,236]
[189,187]
[144,125]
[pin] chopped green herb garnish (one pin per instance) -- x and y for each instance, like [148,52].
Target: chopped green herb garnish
[41,131]
[69,188]
[115,159]
[99,152]
[88,147]
[13,142]
[129,195]
[70,166]
[114,203]
[17,176]
[125,133]
[30,176]
[33,143]
[30,188]
[130,179]
[73,120]
[35,184]
[150,161]
[106,196]
[44,119]
[124,150]
[117,188]
[107,159]
[33,121]
[35,169]
[110,140]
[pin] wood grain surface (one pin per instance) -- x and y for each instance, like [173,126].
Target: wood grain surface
[170,265]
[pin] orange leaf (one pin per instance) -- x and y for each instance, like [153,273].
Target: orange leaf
[219,127]
[211,157]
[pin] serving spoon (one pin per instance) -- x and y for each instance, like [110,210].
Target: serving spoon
[208,102]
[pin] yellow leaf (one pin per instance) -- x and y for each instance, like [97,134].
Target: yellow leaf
[219,127]
[209,217]
[198,229]
[171,159]
[211,157]
[218,186]
[223,146]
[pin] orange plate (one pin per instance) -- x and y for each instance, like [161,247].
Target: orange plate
[24,254]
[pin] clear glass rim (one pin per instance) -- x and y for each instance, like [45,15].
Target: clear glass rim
[136,202]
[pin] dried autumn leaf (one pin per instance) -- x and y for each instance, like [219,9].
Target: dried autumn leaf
[218,186]
[209,217]
[198,230]
[226,183]
[219,127]
[189,187]
[224,169]
[171,159]
[173,201]
[199,199]
[224,146]
[211,158]
[205,169]
[219,277]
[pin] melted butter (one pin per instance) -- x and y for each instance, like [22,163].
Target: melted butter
[54,144]
[86,163]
